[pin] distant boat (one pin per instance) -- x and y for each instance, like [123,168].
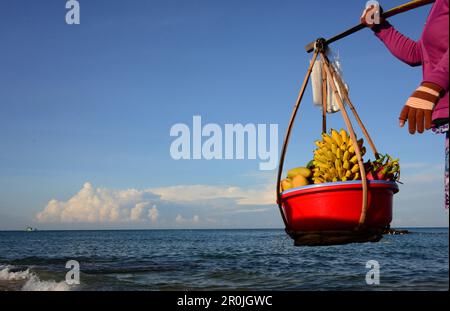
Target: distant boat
[30,229]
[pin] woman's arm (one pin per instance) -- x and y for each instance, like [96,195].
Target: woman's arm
[440,73]
[402,47]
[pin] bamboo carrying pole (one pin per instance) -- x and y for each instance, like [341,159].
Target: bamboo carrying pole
[392,12]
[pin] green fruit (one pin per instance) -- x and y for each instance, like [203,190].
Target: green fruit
[303,171]
[286,184]
[299,181]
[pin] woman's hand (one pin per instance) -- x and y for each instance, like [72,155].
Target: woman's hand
[419,107]
[371,16]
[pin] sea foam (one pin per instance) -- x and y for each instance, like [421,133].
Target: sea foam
[32,281]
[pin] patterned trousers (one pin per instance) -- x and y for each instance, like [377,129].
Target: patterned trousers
[443,129]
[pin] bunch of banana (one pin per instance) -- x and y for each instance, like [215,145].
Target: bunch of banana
[296,177]
[335,158]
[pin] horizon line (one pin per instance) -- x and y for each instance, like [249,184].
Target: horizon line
[156,229]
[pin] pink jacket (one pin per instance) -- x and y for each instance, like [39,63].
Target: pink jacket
[431,51]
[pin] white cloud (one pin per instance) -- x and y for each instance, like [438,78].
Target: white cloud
[414,165]
[424,177]
[420,201]
[181,220]
[418,174]
[252,210]
[153,214]
[102,205]
[136,211]
[99,206]
[263,195]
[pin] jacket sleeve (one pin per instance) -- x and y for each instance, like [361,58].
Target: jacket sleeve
[439,75]
[402,47]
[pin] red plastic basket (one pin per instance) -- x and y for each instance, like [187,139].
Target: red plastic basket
[337,206]
[339,212]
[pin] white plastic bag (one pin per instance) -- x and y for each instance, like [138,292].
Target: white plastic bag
[316,81]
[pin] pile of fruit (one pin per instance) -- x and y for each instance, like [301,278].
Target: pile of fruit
[383,168]
[335,160]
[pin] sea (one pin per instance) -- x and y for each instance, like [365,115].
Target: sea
[259,259]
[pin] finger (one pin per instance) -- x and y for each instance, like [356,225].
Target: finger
[363,18]
[412,120]
[428,119]
[420,120]
[404,115]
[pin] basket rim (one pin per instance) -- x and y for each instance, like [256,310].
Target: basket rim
[392,184]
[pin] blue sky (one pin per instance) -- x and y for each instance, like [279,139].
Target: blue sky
[86,110]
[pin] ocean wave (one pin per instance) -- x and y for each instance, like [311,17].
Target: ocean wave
[7,275]
[31,282]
